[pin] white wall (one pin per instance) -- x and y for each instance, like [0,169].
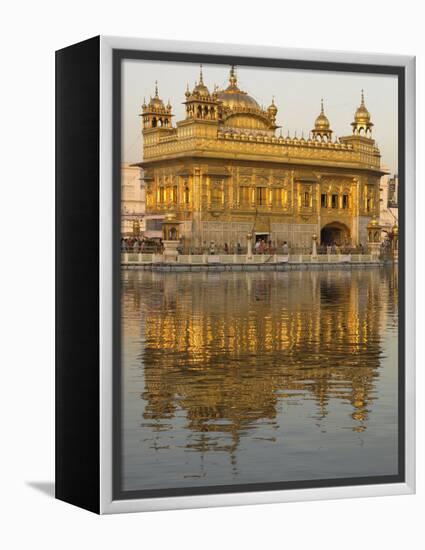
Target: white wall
[31,31]
[132,198]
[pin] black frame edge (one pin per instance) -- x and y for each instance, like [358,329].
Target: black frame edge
[77,95]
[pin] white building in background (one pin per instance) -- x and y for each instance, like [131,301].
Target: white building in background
[388,202]
[132,200]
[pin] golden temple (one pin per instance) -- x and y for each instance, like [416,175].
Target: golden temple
[223,172]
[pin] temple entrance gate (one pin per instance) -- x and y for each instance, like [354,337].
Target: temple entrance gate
[335,233]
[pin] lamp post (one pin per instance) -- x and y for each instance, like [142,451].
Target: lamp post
[249,246]
[314,246]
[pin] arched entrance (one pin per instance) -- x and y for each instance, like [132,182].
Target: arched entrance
[335,233]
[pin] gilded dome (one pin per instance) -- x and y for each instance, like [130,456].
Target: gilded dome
[272,109]
[362,116]
[200,90]
[322,123]
[322,128]
[156,103]
[235,99]
[373,223]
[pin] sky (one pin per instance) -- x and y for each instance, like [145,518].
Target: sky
[297,95]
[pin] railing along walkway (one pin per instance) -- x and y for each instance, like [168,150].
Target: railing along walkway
[134,258]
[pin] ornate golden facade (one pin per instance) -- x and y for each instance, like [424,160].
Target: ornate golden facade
[224,172]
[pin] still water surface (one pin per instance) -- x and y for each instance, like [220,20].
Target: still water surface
[254,377]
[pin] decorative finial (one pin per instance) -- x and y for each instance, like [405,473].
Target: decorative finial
[201,76]
[362,122]
[156,88]
[321,106]
[232,78]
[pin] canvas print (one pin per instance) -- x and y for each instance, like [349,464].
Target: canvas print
[259,329]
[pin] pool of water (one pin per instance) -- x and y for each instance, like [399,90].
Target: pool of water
[237,377]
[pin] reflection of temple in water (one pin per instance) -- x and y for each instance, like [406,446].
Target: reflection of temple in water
[226,348]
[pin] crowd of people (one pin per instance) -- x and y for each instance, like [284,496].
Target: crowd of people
[261,246]
[141,244]
[264,247]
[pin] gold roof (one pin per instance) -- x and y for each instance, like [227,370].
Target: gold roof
[362,115]
[200,90]
[322,123]
[155,103]
[373,223]
[272,109]
[235,99]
